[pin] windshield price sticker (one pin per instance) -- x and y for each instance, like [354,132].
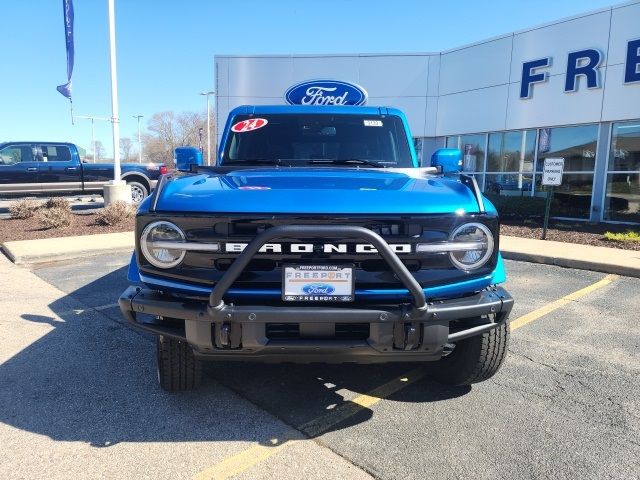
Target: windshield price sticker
[373,123]
[317,283]
[249,125]
[552,173]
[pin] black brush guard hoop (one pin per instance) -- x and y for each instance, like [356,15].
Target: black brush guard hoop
[216,302]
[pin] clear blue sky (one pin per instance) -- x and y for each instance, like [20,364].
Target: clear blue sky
[166,48]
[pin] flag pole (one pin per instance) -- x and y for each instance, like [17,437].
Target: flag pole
[117,189]
[115,120]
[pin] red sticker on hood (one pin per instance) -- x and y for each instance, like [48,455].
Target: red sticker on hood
[249,125]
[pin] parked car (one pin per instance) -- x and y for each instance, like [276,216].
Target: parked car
[318,239]
[55,167]
[506,183]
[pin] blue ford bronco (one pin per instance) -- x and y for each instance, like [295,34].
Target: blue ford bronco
[317,238]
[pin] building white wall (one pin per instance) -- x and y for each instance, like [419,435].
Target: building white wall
[470,89]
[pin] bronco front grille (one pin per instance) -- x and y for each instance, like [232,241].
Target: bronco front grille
[251,229]
[264,272]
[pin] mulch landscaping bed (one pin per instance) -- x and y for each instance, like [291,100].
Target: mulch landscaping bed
[81,224]
[566,231]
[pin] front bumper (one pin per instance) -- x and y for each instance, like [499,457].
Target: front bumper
[397,333]
[417,331]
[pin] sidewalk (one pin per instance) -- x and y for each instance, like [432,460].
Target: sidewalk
[571,255]
[79,399]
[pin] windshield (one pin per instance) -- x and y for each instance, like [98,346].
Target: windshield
[301,140]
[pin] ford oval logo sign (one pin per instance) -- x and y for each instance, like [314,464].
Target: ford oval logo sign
[318,289]
[326,92]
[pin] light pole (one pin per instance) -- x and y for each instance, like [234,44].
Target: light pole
[139,142]
[93,130]
[210,92]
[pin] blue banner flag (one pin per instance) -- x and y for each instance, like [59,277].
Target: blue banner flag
[67,6]
[544,142]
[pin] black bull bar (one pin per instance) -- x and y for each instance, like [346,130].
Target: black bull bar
[239,326]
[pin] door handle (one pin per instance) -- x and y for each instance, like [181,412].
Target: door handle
[71,169]
[32,169]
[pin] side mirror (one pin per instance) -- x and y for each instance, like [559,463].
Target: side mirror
[187,156]
[447,160]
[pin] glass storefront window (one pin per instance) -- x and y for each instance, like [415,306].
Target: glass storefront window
[622,200]
[625,147]
[577,145]
[572,198]
[452,142]
[472,147]
[511,151]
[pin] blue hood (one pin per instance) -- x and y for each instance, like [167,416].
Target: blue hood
[316,190]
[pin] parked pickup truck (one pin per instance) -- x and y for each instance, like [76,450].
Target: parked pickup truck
[318,238]
[53,167]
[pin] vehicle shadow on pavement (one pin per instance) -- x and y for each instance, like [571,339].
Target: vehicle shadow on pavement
[92,379]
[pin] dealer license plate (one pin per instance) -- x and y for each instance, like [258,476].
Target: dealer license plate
[317,283]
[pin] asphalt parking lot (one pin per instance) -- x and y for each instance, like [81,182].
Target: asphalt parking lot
[78,397]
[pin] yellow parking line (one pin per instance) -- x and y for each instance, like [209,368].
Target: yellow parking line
[244,460]
[256,454]
[346,410]
[550,307]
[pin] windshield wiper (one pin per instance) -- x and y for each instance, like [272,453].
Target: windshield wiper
[353,161]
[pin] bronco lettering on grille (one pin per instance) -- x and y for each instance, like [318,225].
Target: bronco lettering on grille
[324,248]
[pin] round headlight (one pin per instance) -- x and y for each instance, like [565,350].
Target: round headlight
[153,244]
[478,246]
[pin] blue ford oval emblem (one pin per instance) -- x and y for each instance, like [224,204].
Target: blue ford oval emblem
[318,289]
[326,92]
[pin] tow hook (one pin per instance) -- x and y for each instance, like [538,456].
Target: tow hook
[406,336]
[411,335]
[228,335]
[225,335]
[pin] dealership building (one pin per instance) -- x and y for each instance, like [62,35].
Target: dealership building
[568,89]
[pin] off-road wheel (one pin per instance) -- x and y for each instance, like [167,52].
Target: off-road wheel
[178,368]
[473,359]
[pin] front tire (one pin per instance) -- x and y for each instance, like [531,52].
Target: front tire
[138,192]
[178,368]
[474,359]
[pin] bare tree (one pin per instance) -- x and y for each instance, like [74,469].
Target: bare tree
[168,130]
[126,149]
[99,149]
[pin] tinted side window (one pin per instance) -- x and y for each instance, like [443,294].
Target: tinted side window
[16,153]
[56,153]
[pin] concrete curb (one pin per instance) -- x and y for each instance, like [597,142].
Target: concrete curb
[44,250]
[571,255]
